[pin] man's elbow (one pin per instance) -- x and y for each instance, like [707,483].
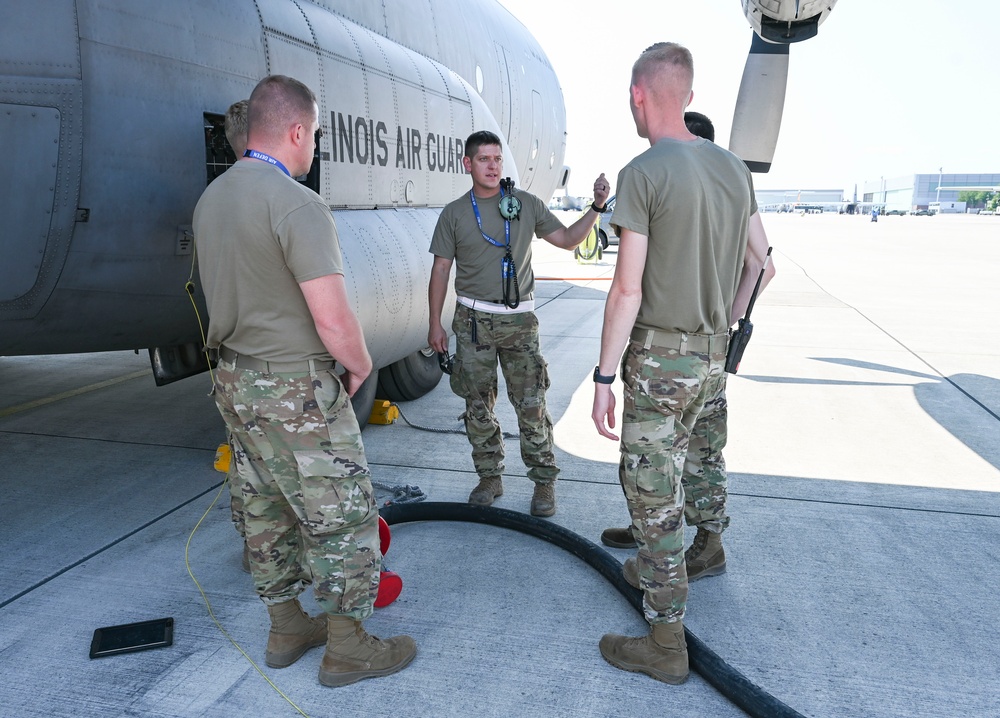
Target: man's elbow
[625,295]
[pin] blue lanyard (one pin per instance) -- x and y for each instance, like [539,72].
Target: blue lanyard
[255,155]
[508,270]
[479,221]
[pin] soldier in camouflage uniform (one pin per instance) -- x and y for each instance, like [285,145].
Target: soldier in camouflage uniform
[236,134]
[495,319]
[691,246]
[270,263]
[704,501]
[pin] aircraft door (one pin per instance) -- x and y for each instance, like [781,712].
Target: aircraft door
[39,206]
[535,144]
[29,171]
[505,90]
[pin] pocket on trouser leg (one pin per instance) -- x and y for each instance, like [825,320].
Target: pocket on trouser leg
[652,464]
[336,492]
[456,379]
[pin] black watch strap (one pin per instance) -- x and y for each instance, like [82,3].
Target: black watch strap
[601,379]
[599,210]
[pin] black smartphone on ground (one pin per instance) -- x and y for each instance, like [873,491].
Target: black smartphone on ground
[141,636]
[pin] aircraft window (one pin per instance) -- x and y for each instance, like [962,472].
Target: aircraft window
[479,79]
[311,180]
[219,155]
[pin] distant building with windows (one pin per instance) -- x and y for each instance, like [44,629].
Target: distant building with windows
[912,192]
[800,200]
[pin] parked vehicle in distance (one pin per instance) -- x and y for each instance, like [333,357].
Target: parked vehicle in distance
[923,213]
[899,212]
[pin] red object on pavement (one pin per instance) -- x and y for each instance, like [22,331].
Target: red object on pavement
[389,587]
[384,535]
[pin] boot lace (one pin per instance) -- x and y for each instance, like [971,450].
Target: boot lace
[369,640]
[697,546]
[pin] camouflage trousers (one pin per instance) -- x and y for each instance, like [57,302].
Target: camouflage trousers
[511,339]
[673,433]
[235,495]
[308,503]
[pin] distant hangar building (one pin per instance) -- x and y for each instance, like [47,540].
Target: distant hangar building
[799,200]
[913,192]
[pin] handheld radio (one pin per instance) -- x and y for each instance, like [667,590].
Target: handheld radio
[740,336]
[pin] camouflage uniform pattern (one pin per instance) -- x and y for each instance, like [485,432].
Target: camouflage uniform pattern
[511,339]
[235,495]
[309,507]
[673,433]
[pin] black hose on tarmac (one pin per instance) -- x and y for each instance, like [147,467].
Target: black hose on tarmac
[727,680]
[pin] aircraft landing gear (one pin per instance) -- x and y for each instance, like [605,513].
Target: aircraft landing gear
[409,378]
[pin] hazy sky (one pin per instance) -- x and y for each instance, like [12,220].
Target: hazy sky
[887,88]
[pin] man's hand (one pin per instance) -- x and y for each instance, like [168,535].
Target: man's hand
[352,382]
[437,338]
[604,410]
[571,237]
[601,190]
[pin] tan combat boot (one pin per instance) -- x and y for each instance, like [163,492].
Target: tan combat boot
[292,633]
[486,490]
[705,557]
[618,538]
[631,573]
[353,654]
[662,654]
[543,500]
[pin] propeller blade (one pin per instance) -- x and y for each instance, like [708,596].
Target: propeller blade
[757,118]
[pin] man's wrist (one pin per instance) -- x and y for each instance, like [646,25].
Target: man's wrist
[600,210]
[602,378]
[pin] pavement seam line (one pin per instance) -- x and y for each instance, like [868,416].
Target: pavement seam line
[71,393]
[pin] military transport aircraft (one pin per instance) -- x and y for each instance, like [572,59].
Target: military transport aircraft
[111,114]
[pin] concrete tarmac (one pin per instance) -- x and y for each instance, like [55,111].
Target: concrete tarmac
[862,557]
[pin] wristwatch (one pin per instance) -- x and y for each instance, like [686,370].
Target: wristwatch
[601,379]
[599,210]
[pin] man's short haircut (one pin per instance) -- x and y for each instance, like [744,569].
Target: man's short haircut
[479,139]
[236,127]
[663,57]
[699,124]
[278,102]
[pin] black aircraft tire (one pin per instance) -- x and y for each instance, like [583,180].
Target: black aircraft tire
[748,696]
[409,378]
[364,399]
[604,239]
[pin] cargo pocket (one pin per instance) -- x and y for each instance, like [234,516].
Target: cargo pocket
[650,461]
[456,378]
[527,383]
[336,489]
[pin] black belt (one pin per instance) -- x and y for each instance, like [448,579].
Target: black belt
[243,361]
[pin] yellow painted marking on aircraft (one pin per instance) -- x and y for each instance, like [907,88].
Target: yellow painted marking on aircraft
[73,392]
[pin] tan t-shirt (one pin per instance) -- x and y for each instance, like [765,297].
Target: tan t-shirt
[693,200]
[258,235]
[478,269]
